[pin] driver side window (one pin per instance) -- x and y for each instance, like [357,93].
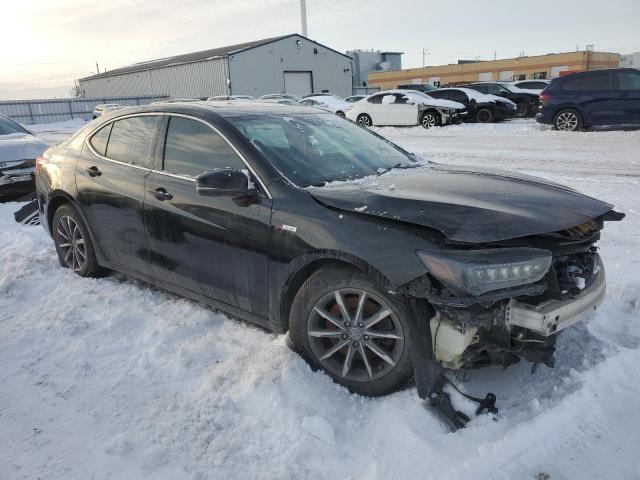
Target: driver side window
[191,148]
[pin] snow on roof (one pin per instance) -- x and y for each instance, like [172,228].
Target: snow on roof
[423,98]
[472,94]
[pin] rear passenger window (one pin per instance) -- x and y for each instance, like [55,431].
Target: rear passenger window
[628,80]
[600,81]
[192,148]
[131,139]
[99,139]
[576,84]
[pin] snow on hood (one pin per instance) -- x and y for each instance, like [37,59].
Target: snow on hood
[496,98]
[21,146]
[465,203]
[330,101]
[473,94]
[425,99]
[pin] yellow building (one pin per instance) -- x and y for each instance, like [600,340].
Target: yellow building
[521,68]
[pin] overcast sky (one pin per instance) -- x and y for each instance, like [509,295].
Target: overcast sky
[46,44]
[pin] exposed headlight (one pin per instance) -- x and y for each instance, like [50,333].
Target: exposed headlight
[474,272]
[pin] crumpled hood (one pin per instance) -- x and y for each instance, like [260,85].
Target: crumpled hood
[20,146]
[464,203]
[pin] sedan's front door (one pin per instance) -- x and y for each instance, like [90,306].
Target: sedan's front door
[215,246]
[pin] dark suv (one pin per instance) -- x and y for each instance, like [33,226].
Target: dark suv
[298,220]
[599,97]
[526,102]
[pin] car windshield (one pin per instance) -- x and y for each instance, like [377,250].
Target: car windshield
[312,149]
[8,127]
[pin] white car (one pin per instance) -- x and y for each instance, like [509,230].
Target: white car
[19,149]
[223,98]
[328,103]
[532,86]
[103,108]
[404,107]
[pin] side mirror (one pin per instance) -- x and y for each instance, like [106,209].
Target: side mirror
[224,182]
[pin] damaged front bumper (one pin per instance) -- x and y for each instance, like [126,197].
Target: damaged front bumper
[552,316]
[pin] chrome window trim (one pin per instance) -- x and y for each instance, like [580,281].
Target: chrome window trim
[88,138]
[162,172]
[233,147]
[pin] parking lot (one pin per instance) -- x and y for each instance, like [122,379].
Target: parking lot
[113,376]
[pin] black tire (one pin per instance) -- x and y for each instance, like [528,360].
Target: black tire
[340,113]
[568,120]
[68,231]
[430,119]
[94,117]
[364,120]
[484,115]
[522,109]
[312,334]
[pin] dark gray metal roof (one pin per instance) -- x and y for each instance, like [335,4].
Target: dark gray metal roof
[198,56]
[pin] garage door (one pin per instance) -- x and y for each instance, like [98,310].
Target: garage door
[298,83]
[506,75]
[485,77]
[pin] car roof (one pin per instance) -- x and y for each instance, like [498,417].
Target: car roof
[222,109]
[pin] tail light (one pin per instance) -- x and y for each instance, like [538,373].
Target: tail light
[544,97]
[39,162]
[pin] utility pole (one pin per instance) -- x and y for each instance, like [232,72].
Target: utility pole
[97,68]
[425,52]
[303,16]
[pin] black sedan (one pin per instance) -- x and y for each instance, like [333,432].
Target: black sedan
[480,108]
[379,265]
[526,102]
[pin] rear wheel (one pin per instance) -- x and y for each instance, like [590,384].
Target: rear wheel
[364,120]
[568,120]
[353,330]
[484,115]
[430,119]
[73,243]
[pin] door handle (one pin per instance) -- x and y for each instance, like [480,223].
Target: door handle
[93,171]
[160,193]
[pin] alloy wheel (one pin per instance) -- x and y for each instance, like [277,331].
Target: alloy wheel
[567,121]
[364,120]
[429,120]
[71,243]
[355,334]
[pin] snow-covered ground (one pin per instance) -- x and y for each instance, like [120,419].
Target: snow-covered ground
[110,378]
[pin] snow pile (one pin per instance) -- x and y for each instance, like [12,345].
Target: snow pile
[110,378]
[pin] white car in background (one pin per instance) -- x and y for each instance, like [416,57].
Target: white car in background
[531,86]
[328,103]
[103,108]
[19,149]
[404,107]
[224,98]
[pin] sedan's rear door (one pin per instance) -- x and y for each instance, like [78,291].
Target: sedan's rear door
[110,178]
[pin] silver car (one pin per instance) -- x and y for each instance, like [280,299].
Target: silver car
[19,149]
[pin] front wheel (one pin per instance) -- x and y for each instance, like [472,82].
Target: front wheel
[567,120]
[73,243]
[340,114]
[430,119]
[484,115]
[364,120]
[348,327]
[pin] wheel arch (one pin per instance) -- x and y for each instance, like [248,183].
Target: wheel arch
[303,267]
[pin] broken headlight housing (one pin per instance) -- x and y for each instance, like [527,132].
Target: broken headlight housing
[474,272]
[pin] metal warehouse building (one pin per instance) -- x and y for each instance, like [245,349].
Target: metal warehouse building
[286,64]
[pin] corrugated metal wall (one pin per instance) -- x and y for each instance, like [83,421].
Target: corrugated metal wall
[57,110]
[261,70]
[188,80]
